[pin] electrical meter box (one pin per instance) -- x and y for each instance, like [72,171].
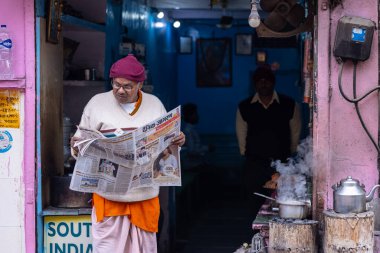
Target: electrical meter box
[353,38]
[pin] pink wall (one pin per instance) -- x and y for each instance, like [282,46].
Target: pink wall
[15,14]
[18,15]
[30,140]
[341,147]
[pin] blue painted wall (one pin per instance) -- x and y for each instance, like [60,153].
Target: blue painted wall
[162,62]
[217,106]
[160,49]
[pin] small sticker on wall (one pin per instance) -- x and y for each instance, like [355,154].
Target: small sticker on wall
[9,108]
[5,141]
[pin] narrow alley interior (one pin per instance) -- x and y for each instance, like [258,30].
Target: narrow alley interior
[213,216]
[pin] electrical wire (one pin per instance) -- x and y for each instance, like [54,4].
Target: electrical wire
[342,92]
[356,100]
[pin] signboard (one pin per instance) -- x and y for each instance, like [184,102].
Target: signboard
[67,234]
[10,108]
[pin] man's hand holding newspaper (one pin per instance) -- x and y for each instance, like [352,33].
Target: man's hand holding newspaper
[129,159]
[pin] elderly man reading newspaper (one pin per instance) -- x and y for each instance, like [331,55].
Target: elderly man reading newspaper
[124,223]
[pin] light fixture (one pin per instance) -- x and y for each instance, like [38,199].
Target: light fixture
[159,24]
[160,15]
[176,24]
[254,18]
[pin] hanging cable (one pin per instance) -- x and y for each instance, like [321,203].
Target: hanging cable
[356,100]
[342,92]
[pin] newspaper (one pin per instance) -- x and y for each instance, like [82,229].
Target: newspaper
[117,161]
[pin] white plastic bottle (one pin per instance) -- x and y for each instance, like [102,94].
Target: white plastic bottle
[5,54]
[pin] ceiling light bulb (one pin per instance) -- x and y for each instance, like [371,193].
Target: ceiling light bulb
[159,24]
[160,15]
[176,24]
[254,18]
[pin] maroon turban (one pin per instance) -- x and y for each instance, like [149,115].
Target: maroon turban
[129,68]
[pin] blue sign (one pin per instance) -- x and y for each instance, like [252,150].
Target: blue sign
[67,234]
[358,34]
[5,141]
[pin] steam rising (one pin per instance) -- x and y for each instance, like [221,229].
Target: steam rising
[292,183]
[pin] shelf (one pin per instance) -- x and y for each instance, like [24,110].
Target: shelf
[83,83]
[12,83]
[55,211]
[67,19]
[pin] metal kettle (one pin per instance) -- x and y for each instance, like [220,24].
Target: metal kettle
[350,196]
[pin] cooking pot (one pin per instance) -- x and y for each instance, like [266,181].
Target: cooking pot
[293,209]
[350,197]
[290,209]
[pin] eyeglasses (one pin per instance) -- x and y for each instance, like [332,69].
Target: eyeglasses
[126,88]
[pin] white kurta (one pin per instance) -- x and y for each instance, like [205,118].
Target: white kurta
[104,112]
[117,234]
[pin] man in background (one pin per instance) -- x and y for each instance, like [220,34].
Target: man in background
[268,127]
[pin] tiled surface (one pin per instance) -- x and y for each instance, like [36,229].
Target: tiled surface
[11,239]
[11,208]
[11,161]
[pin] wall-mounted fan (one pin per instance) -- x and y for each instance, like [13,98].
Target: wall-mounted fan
[285,18]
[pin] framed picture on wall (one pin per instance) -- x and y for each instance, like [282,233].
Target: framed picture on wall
[244,44]
[185,45]
[213,62]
